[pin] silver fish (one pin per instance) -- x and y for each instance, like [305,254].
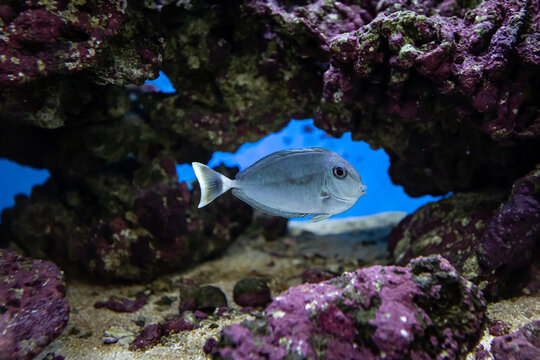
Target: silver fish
[290,183]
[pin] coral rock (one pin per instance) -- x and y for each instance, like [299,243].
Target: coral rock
[425,310]
[33,308]
[40,40]
[151,335]
[139,232]
[484,235]
[524,344]
[314,275]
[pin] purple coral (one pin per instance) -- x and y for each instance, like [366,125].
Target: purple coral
[33,308]
[446,75]
[425,310]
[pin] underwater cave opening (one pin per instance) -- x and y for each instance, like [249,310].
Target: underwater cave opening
[372,165]
[382,195]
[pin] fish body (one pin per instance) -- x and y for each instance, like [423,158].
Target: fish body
[291,183]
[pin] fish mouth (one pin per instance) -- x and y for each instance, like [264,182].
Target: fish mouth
[361,191]
[358,194]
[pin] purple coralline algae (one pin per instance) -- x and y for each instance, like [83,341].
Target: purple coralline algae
[456,77]
[57,57]
[487,236]
[121,304]
[33,308]
[315,274]
[151,335]
[512,237]
[498,328]
[64,37]
[524,344]
[422,311]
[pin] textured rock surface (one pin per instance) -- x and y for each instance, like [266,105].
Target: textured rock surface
[138,232]
[448,89]
[453,76]
[203,298]
[33,308]
[486,237]
[521,345]
[42,43]
[238,75]
[425,310]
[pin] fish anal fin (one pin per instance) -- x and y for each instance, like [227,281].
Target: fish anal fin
[319,217]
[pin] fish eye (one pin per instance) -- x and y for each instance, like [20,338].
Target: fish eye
[339,172]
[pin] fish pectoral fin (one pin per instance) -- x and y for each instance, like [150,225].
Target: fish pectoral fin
[319,217]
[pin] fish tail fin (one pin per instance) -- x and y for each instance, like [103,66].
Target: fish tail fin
[213,184]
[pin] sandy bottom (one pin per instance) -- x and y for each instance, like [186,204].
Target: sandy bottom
[335,245]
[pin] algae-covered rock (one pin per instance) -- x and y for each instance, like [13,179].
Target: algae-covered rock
[69,36]
[452,227]
[238,75]
[113,229]
[54,55]
[425,310]
[446,89]
[33,308]
[487,236]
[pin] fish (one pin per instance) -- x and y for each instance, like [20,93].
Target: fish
[310,182]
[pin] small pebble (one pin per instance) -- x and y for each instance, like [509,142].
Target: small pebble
[117,334]
[252,292]
[498,328]
[203,298]
[210,346]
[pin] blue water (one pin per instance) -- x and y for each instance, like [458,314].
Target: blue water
[372,165]
[17,179]
[163,83]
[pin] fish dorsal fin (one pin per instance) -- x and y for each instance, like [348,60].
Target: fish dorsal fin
[266,209]
[319,217]
[278,154]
